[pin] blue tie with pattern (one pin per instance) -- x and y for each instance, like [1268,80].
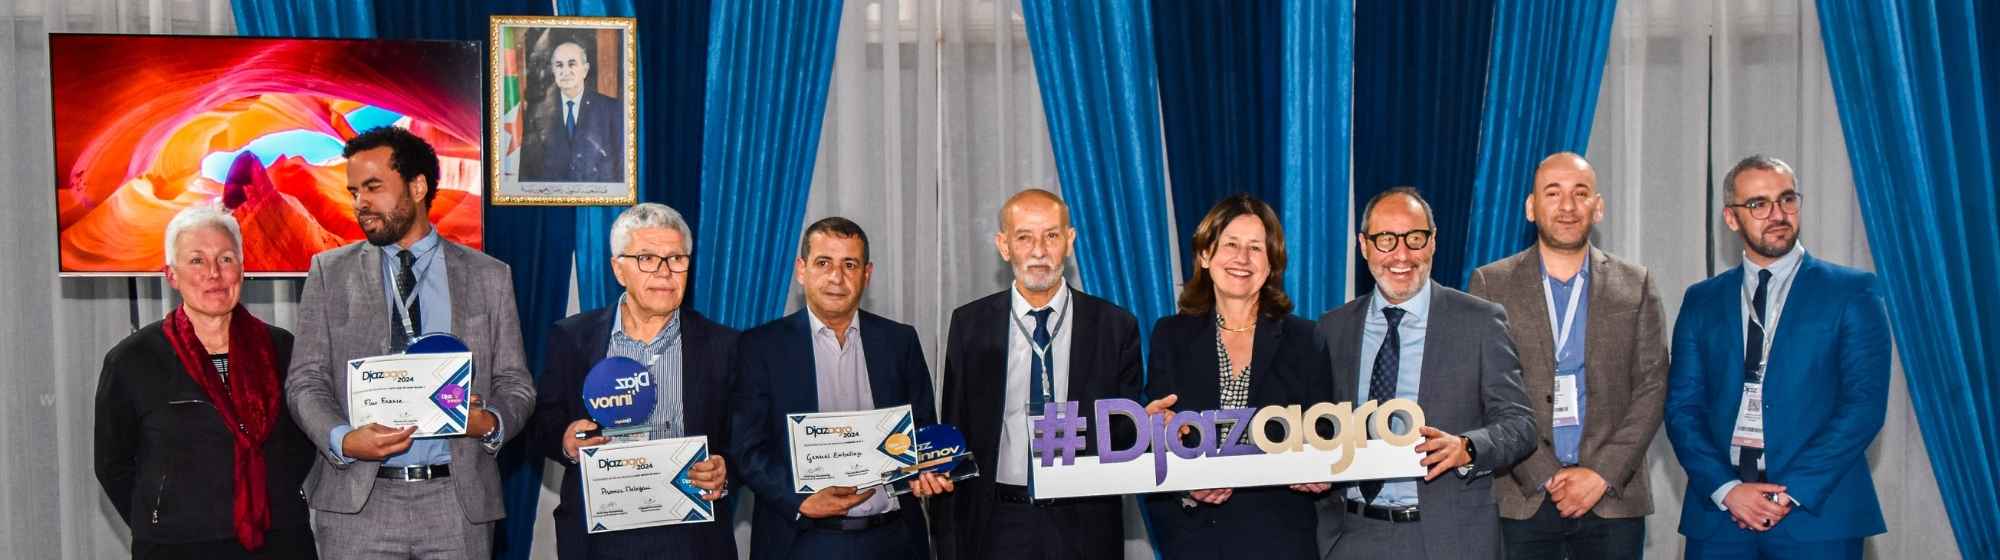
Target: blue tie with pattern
[1382,381]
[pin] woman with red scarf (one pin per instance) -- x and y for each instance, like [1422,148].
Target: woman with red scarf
[193,443]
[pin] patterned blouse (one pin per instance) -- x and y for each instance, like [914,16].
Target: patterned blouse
[1235,388]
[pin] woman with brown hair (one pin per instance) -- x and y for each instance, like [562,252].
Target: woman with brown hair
[1235,344]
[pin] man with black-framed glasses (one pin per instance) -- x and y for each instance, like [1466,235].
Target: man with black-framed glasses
[1779,382]
[690,370]
[1412,338]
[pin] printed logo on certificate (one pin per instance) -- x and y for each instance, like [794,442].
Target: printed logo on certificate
[429,391]
[850,448]
[643,484]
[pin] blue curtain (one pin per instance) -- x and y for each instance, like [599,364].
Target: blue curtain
[1255,99]
[1541,96]
[304,18]
[1094,62]
[769,63]
[534,241]
[673,50]
[1419,83]
[1917,83]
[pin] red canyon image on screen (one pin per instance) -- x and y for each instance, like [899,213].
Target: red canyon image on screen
[146,125]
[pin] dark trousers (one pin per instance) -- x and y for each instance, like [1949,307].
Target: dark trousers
[279,544]
[1766,545]
[888,541]
[1549,535]
[1026,531]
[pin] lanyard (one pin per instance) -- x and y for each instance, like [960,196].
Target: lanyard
[1042,352]
[1771,331]
[406,301]
[1569,315]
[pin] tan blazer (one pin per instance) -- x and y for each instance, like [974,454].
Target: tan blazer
[1625,361]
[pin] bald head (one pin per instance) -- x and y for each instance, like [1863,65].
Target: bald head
[1564,162]
[1564,204]
[1035,201]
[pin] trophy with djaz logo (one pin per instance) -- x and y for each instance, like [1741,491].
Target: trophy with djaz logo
[940,449]
[618,394]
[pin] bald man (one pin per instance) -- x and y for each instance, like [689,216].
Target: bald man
[1589,330]
[1038,341]
[578,135]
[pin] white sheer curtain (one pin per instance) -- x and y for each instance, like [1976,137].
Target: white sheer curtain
[57,330]
[1689,88]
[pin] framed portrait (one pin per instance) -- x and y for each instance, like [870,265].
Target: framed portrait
[564,110]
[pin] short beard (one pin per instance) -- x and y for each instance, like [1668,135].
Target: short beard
[395,223]
[1771,251]
[1551,242]
[1055,278]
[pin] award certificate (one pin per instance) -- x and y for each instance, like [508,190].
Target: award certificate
[850,448]
[642,484]
[429,391]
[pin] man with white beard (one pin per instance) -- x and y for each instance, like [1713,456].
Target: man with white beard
[1039,341]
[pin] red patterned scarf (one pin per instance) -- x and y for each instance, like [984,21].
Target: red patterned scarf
[248,403]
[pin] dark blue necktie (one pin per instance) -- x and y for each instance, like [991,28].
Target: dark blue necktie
[569,117]
[1753,372]
[406,286]
[1041,361]
[1382,381]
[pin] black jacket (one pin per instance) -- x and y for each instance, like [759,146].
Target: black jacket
[1288,365]
[1103,364]
[164,456]
[578,343]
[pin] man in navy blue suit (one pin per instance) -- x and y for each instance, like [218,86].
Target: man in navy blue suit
[1780,379]
[579,136]
[830,357]
[688,359]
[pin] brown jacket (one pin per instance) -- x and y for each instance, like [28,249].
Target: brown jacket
[1625,363]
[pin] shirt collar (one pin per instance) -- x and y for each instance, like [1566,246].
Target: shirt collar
[1418,306]
[819,326]
[1021,306]
[1780,269]
[421,248]
[1583,273]
[671,331]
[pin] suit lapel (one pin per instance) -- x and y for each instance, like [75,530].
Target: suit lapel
[1597,322]
[1083,319]
[1792,322]
[1430,377]
[1263,351]
[804,376]
[370,307]
[1204,391]
[1346,349]
[694,379]
[885,384]
[1731,332]
[458,282]
[1538,346]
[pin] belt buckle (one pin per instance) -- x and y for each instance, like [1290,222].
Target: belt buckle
[415,473]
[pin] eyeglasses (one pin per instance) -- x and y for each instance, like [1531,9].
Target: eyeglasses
[1385,241]
[651,263]
[1760,207]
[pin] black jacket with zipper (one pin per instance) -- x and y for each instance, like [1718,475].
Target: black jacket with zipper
[165,458]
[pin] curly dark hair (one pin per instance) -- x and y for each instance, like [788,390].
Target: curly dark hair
[409,155]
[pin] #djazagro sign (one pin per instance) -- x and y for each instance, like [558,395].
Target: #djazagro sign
[1228,448]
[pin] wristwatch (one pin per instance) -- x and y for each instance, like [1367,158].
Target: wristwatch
[1471,457]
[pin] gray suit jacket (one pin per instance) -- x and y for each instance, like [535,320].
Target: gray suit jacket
[1625,374]
[1472,388]
[343,315]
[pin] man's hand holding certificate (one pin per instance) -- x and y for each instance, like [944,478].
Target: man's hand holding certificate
[427,393]
[649,483]
[850,449]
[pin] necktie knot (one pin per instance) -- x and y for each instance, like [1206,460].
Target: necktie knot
[1763,285]
[1041,316]
[406,258]
[1394,315]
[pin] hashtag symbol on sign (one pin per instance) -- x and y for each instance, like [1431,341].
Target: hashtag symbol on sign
[1058,431]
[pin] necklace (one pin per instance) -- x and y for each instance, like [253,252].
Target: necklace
[1224,325]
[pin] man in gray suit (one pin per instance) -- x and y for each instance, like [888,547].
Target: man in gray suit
[1589,328]
[1448,351]
[379,493]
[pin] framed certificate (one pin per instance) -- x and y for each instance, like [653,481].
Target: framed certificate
[642,484]
[850,448]
[429,391]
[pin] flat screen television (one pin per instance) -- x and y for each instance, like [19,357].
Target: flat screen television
[146,125]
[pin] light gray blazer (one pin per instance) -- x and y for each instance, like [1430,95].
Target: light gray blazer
[343,315]
[1471,388]
[1625,375]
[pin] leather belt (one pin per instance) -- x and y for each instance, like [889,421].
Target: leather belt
[856,523]
[1389,514]
[414,473]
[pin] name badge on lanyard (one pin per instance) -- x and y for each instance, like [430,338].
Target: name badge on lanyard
[1565,411]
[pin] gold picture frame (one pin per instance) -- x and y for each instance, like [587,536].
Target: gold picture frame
[559,135]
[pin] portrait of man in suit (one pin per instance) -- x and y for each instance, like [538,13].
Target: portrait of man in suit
[1593,349]
[1779,383]
[575,132]
[1413,338]
[376,491]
